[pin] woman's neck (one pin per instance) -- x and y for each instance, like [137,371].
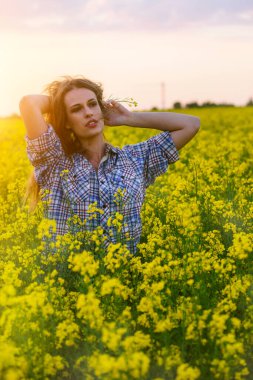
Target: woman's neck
[93,150]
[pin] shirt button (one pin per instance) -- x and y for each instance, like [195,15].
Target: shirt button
[104,205]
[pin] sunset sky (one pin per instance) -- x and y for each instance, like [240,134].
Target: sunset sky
[200,50]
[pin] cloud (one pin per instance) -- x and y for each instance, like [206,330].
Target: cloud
[117,15]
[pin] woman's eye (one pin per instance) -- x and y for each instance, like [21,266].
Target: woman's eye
[93,104]
[76,109]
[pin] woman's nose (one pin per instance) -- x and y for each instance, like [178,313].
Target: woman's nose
[88,112]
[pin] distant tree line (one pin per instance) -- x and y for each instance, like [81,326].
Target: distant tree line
[179,105]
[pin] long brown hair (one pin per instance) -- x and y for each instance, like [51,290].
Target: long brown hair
[57,117]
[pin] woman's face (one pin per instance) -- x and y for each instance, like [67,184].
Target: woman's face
[84,115]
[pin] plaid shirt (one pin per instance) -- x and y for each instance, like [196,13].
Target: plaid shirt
[74,185]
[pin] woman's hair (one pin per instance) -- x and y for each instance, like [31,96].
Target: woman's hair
[57,117]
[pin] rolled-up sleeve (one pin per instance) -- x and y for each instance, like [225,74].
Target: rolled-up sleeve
[43,152]
[161,152]
[154,155]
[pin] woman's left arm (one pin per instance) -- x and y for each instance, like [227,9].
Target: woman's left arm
[182,127]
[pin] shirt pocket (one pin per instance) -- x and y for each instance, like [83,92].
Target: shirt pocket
[126,184]
[76,190]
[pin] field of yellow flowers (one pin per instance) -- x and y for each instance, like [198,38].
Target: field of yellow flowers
[181,308]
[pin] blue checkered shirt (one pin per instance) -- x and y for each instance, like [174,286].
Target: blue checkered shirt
[119,184]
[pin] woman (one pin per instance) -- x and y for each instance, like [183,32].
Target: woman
[79,168]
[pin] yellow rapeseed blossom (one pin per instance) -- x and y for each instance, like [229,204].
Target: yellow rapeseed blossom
[67,332]
[112,336]
[88,305]
[186,372]
[84,263]
[52,364]
[69,308]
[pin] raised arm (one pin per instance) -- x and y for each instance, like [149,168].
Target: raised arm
[182,127]
[32,108]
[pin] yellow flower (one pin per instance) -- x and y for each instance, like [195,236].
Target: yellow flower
[53,364]
[186,372]
[85,264]
[88,305]
[112,336]
[67,332]
[136,342]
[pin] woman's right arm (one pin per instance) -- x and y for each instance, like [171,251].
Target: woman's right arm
[32,108]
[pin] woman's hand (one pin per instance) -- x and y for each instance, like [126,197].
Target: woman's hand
[115,113]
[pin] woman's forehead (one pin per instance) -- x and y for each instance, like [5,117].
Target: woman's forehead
[78,95]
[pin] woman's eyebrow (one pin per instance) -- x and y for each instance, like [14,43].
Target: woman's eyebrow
[75,105]
[80,104]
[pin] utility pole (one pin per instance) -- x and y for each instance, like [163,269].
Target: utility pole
[163,95]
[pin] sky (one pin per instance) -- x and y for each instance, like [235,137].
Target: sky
[155,51]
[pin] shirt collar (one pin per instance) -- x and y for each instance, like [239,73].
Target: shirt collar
[110,148]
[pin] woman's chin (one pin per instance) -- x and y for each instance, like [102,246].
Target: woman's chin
[91,133]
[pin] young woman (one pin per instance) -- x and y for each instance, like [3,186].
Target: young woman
[78,168]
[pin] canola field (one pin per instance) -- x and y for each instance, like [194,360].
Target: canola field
[181,308]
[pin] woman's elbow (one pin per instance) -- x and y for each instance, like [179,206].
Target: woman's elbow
[24,103]
[194,125]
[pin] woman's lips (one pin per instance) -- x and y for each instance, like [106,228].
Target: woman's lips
[91,124]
